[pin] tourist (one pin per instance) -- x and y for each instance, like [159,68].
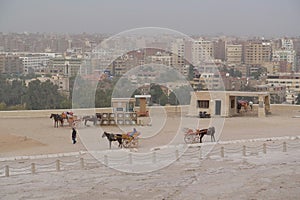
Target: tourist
[251,105]
[74,132]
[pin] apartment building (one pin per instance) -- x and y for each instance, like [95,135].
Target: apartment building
[291,81]
[10,64]
[277,92]
[257,52]
[161,58]
[35,62]
[234,53]
[207,81]
[202,51]
[65,66]
[219,48]
[178,56]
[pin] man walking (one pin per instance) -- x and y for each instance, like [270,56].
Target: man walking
[74,132]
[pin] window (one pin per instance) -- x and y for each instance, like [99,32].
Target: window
[203,104]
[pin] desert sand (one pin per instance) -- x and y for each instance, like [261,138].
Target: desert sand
[275,175]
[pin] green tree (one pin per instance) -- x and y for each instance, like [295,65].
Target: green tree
[2,106]
[155,92]
[163,99]
[173,99]
[42,96]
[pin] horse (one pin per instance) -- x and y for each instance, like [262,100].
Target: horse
[57,118]
[70,117]
[210,131]
[113,137]
[242,104]
[99,116]
[92,118]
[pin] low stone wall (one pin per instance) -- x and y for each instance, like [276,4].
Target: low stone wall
[79,112]
[285,110]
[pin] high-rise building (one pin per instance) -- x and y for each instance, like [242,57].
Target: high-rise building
[287,44]
[219,49]
[285,56]
[234,54]
[202,51]
[257,52]
[178,56]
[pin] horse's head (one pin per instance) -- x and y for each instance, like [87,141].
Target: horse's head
[211,130]
[52,115]
[104,134]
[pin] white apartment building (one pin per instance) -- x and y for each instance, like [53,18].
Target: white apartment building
[207,81]
[287,44]
[35,61]
[291,83]
[163,59]
[178,56]
[285,55]
[202,51]
[233,54]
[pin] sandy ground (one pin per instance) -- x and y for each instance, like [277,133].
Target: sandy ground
[31,136]
[259,176]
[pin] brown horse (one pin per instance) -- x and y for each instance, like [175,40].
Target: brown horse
[69,117]
[57,118]
[242,104]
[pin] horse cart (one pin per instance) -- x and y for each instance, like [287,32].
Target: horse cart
[195,136]
[130,140]
[126,140]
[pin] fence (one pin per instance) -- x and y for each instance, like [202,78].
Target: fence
[129,158]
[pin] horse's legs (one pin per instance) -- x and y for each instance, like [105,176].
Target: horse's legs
[109,144]
[213,138]
[120,142]
[201,137]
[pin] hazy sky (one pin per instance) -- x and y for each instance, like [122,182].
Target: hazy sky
[230,17]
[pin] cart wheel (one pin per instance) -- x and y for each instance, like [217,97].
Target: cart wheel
[126,143]
[196,139]
[135,142]
[189,139]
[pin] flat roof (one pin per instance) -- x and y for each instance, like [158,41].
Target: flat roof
[122,99]
[142,96]
[236,93]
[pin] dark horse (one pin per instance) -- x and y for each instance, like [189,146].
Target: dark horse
[113,137]
[57,118]
[210,131]
[92,118]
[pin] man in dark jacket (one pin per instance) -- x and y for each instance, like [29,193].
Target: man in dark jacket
[74,132]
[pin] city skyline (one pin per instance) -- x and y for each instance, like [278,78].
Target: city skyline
[238,18]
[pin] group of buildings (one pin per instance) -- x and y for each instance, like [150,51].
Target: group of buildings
[275,63]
